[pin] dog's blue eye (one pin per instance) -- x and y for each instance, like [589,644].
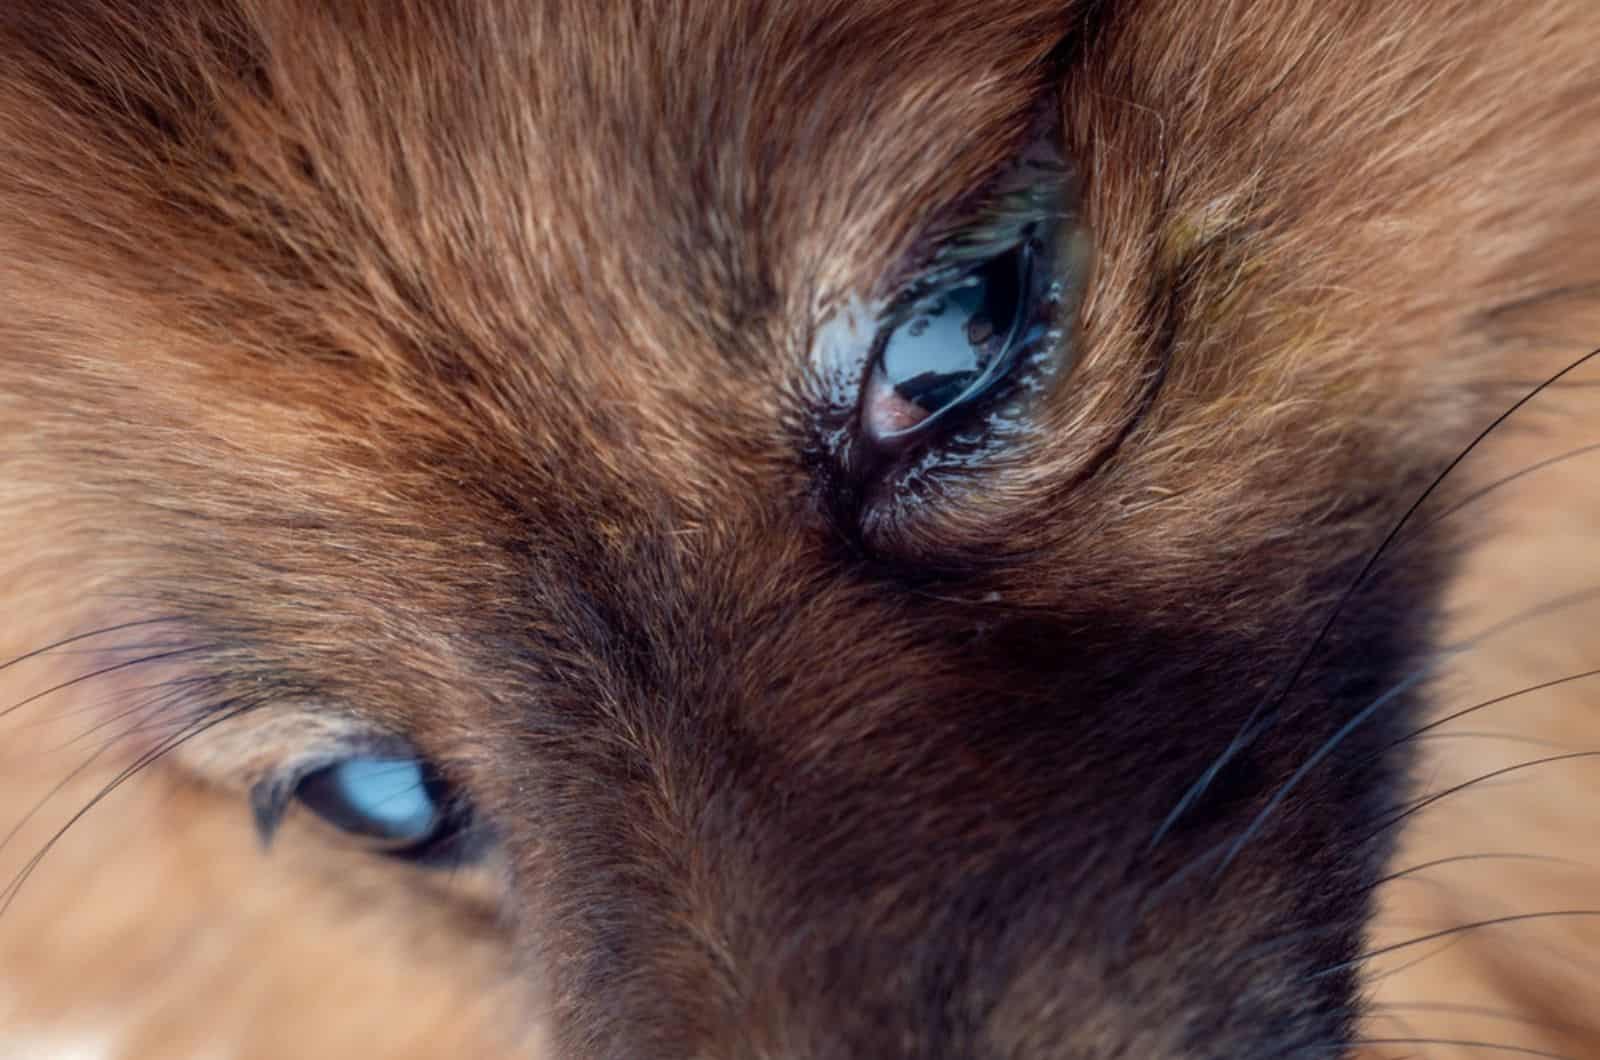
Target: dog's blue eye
[953,342]
[394,801]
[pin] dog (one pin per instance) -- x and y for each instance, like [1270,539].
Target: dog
[745,530]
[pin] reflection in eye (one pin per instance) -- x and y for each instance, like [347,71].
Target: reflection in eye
[392,800]
[950,347]
[956,353]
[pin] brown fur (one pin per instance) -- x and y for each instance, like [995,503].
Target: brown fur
[442,369]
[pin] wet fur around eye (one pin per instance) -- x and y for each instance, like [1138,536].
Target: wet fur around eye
[441,374]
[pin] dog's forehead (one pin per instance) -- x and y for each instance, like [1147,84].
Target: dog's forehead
[707,158]
[664,196]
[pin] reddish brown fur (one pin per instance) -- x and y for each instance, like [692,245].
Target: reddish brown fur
[440,368]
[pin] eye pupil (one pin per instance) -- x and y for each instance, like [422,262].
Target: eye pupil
[390,800]
[949,347]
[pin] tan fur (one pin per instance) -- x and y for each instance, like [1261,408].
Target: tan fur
[424,397]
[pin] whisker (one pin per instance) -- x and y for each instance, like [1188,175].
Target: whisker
[1153,896]
[1532,469]
[103,671]
[1423,803]
[1491,734]
[1476,925]
[1566,385]
[1538,298]
[1233,846]
[1401,687]
[1464,1043]
[1485,1011]
[1549,607]
[155,705]
[163,692]
[9,893]
[1261,717]
[1412,870]
[80,637]
[1289,938]
[98,708]
[55,790]
[1401,969]
[1496,701]
[1328,747]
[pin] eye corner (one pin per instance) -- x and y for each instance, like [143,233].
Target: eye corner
[270,798]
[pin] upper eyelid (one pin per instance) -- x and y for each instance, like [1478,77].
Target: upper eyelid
[947,247]
[1037,166]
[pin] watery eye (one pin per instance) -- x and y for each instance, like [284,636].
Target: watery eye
[929,373]
[395,802]
[949,346]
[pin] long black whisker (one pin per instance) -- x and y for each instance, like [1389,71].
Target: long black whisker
[1460,1043]
[1261,716]
[9,894]
[163,692]
[103,671]
[1199,861]
[1476,925]
[1328,747]
[1559,603]
[78,637]
[1532,469]
[1290,938]
[1401,969]
[1423,803]
[1457,1008]
[1361,717]
[1496,701]
[1490,734]
[150,706]
[1412,870]
[100,708]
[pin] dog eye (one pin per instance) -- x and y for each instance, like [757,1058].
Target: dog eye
[398,806]
[939,366]
[394,803]
[962,344]
[390,800]
[950,346]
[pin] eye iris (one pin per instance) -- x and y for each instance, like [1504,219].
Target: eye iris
[386,799]
[949,347]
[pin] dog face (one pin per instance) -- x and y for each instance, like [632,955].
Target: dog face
[561,404]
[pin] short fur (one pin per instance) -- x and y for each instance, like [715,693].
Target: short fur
[442,369]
